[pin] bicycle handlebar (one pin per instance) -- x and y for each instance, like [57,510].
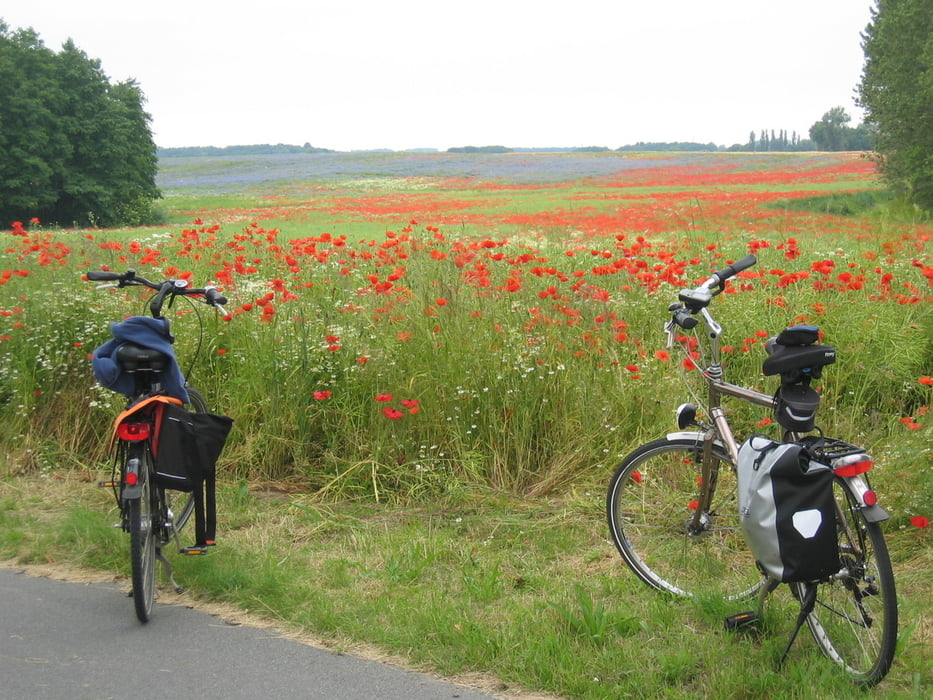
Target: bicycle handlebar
[166,288]
[732,270]
[693,301]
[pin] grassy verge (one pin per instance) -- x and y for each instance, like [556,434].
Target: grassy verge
[530,593]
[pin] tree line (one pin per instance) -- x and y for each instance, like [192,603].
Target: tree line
[250,150]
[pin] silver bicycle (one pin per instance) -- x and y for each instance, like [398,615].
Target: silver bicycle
[673,512]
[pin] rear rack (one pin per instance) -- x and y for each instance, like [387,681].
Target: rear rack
[826,450]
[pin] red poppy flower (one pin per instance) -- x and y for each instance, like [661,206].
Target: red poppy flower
[321,395]
[392,413]
[926,381]
[920,521]
[384,398]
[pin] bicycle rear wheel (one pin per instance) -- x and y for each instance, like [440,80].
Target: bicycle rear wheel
[855,618]
[652,510]
[141,521]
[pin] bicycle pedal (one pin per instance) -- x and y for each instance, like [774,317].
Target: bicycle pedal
[741,621]
[108,484]
[195,551]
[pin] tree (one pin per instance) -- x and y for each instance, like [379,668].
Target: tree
[896,91]
[832,133]
[829,132]
[74,149]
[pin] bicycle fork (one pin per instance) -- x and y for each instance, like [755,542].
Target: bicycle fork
[709,470]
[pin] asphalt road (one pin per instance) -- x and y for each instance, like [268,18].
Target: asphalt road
[73,641]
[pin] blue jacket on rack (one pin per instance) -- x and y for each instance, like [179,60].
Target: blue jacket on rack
[152,333]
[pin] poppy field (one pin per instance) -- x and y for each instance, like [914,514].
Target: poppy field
[402,328]
[497,322]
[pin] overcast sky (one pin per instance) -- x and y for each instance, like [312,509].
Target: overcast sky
[400,74]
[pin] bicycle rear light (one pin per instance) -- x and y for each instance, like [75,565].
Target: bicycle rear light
[134,432]
[846,467]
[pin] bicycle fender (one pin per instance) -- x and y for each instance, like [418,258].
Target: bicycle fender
[874,514]
[131,493]
[686,435]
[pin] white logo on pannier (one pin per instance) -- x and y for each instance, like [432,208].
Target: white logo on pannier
[807,523]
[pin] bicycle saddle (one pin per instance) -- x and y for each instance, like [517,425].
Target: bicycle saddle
[134,358]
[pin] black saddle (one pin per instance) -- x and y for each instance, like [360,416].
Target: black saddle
[136,358]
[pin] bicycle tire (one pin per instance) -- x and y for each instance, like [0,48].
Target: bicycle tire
[140,517]
[652,497]
[854,621]
[186,510]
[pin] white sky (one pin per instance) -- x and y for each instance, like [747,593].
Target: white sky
[399,74]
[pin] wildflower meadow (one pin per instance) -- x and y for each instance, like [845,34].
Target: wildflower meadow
[408,333]
[403,327]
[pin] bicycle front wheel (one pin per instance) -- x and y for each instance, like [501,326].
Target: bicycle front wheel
[855,618]
[141,520]
[652,506]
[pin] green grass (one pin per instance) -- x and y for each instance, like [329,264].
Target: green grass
[528,592]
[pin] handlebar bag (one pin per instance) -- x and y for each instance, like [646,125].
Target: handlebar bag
[787,511]
[185,452]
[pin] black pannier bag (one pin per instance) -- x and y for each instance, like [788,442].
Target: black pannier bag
[787,511]
[185,452]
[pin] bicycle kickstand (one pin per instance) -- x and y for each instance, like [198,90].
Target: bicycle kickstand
[168,570]
[807,603]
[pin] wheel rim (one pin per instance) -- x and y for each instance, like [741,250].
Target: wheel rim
[855,618]
[653,516]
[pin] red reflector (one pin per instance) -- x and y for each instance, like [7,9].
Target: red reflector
[134,431]
[132,479]
[870,498]
[853,469]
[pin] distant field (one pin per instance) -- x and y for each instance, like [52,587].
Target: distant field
[538,195]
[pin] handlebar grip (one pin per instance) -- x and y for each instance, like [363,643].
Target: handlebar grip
[214,297]
[103,276]
[736,267]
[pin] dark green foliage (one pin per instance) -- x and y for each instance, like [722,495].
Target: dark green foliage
[74,148]
[837,203]
[896,91]
[833,133]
